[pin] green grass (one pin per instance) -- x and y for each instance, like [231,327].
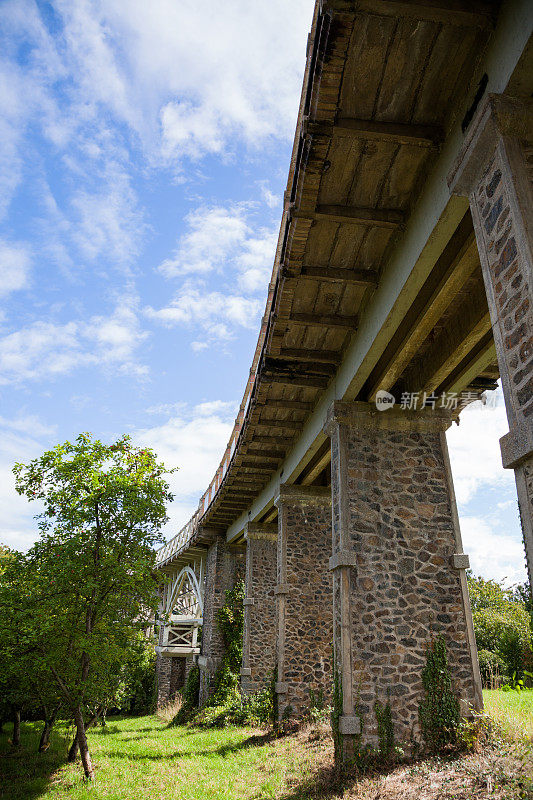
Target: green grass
[512,710]
[141,759]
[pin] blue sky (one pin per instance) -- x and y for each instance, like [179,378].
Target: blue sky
[145,149]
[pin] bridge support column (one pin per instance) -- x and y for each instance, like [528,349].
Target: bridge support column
[304,616]
[495,170]
[259,643]
[398,568]
[170,673]
[224,566]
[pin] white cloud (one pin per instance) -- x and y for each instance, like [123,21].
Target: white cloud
[239,88]
[493,552]
[15,263]
[223,238]
[176,80]
[26,93]
[194,441]
[21,439]
[118,336]
[486,492]
[27,424]
[214,233]
[475,451]
[107,222]
[215,313]
[272,200]
[48,349]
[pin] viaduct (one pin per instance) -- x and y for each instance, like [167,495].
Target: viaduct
[404,265]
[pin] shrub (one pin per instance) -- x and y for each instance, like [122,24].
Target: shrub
[230,621]
[254,709]
[492,668]
[501,624]
[319,712]
[188,698]
[191,689]
[140,680]
[385,729]
[439,709]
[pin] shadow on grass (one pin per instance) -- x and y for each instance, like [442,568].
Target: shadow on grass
[257,740]
[323,784]
[24,773]
[106,731]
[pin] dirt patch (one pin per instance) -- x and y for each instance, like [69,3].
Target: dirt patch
[502,770]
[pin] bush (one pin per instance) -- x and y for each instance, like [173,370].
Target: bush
[502,624]
[188,698]
[253,709]
[191,689]
[439,710]
[230,621]
[492,667]
[141,680]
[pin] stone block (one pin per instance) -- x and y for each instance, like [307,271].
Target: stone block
[460,561]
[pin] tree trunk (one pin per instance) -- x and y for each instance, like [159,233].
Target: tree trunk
[45,735]
[104,715]
[82,743]
[73,751]
[16,727]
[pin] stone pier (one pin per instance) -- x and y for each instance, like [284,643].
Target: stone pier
[171,676]
[495,170]
[304,613]
[259,642]
[224,566]
[398,566]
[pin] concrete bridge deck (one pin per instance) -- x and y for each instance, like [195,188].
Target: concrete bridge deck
[410,177]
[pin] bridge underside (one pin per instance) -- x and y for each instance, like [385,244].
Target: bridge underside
[403,266]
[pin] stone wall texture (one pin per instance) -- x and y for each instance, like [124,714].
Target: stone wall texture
[259,650]
[509,272]
[304,614]
[502,208]
[171,674]
[393,512]
[163,669]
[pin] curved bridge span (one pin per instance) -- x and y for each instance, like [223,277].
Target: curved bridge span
[401,291]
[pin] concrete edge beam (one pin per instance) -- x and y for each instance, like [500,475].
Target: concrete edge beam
[290,493]
[367,416]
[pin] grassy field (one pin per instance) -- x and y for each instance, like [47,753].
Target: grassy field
[512,710]
[142,759]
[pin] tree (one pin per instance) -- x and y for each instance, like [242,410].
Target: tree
[89,583]
[501,624]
